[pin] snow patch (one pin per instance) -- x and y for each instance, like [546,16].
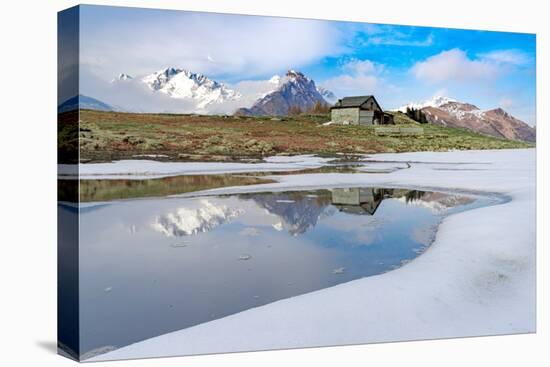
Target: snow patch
[140,169]
[477,278]
[436,101]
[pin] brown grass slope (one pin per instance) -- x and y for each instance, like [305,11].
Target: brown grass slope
[115,135]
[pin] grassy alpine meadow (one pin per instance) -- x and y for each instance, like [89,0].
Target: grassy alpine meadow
[106,136]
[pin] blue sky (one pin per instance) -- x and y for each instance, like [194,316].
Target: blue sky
[398,64]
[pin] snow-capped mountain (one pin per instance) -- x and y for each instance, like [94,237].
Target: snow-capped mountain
[122,77]
[495,122]
[327,95]
[276,81]
[292,90]
[176,90]
[436,101]
[437,202]
[184,84]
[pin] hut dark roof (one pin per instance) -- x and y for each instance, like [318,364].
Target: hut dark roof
[355,101]
[360,209]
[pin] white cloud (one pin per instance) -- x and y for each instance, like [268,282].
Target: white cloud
[251,90]
[213,44]
[133,95]
[454,65]
[349,85]
[361,67]
[440,92]
[506,103]
[511,57]
[360,77]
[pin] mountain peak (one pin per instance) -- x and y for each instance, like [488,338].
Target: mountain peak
[496,122]
[170,71]
[275,79]
[436,101]
[327,95]
[295,74]
[500,111]
[293,90]
[185,84]
[122,77]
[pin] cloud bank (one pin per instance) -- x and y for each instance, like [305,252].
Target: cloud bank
[455,66]
[217,45]
[358,77]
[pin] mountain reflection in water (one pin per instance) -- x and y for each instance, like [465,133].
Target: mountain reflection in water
[152,266]
[186,222]
[298,211]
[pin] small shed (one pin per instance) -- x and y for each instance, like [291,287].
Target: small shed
[359,110]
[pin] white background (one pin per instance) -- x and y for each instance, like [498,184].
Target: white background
[28,181]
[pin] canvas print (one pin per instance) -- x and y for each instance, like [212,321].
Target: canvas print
[239,183]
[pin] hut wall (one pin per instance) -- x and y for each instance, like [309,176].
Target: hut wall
[339,115]
[366,117]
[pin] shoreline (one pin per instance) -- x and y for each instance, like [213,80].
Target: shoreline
[484,260]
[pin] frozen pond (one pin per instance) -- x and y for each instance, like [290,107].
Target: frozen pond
[151,266]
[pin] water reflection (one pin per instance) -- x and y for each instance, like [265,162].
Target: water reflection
[359,200]
[191,221]
[148,267]
[118,189]
[297,211]
[106,190]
